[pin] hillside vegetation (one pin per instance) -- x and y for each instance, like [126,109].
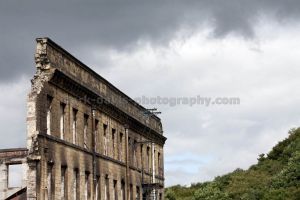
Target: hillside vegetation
[276,176]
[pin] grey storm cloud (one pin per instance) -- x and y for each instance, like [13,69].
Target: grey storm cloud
[118,24]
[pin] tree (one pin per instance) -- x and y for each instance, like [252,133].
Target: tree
[170,195]
[210,192]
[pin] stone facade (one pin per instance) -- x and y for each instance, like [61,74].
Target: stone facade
[85,138]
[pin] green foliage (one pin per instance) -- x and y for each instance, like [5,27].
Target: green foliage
[211,192]
[170,195]
[290,175]
[261,157]
[275,177]
[182,192]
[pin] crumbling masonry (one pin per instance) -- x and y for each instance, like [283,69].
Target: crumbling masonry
[85,138]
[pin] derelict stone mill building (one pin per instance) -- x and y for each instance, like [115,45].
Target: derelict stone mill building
[85,138]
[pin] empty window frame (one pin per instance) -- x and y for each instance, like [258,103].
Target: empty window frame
[129,150]
[134,153]
[105,151]
[97,192]
[106,188]
[141,155]
[121,147]
[148,159]
[159,163]
[49,105]
[113,132]
[85,131]
[14,175]
[75,184]
[74,125]
[123,190]
[154,161]
[86,187]
[63,185]
[115,190]
[96,135]
[62,120]
[49,182]
[131,192]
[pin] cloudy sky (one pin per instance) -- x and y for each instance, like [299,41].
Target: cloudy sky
[248,49]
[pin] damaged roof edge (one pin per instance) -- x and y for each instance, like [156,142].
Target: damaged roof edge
[13,149]
[88,69]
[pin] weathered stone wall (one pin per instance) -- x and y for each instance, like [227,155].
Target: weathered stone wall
[53,152]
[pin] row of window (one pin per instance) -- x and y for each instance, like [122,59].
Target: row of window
[117,143]
[76,193]
[62,117]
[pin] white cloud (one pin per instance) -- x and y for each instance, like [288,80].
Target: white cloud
[263,73]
